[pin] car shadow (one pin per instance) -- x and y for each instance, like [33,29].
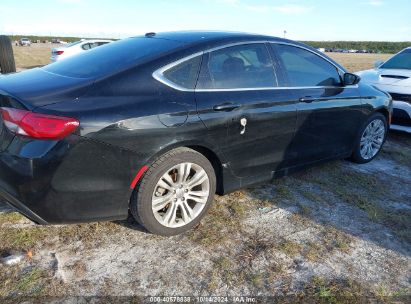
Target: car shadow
[6,208]
[369,201]
[131,223]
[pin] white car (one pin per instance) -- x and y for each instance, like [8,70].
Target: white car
[24,42]
[75,48]
[394,77]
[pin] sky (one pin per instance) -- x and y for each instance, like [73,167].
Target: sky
[370,20]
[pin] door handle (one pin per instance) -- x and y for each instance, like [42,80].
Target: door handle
[226,107]
[307,99]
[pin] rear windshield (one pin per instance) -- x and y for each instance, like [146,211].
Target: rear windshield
[112,57]
[400,61]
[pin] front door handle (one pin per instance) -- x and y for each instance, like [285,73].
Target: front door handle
[226,107]
[307,99]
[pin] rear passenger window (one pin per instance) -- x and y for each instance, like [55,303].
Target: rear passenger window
[184,74]
[86,46]
[305,68]
[243,66]
[93,45]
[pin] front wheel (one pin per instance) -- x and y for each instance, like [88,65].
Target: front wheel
[370,139]
[175,192]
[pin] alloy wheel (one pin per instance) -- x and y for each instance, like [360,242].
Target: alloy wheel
[372,139]
[180,195]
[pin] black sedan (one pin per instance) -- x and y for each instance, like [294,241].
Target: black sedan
[156,125]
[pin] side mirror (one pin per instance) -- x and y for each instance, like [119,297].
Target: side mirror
[378,63]
[350,79]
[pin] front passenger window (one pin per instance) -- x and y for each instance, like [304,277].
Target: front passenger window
[244,66]
[304,68]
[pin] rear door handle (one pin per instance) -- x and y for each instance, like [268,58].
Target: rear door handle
[307,99]
[226,107]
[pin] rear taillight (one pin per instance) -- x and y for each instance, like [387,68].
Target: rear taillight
[35,125]
[59,52]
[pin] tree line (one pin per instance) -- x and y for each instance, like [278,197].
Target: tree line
[374,46]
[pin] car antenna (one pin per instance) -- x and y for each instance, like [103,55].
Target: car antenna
[150,34]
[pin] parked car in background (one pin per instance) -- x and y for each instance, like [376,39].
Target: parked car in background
[75,48]
[156,125]
[394,77]
[24,42]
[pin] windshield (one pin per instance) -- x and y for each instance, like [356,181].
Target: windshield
[112,57]
[400,61]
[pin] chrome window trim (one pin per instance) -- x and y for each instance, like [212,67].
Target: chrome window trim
[273,88]
[159,73]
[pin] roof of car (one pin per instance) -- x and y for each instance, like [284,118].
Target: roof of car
[209,38]
[196,36]
[91,40]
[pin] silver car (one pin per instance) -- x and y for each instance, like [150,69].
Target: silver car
[394,77]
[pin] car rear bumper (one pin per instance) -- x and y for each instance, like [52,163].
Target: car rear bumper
[67,182]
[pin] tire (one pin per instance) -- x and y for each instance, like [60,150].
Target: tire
[178,196]
[375,120]
[7,64]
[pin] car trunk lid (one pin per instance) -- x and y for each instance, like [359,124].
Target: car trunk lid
[33,89]
[37,88]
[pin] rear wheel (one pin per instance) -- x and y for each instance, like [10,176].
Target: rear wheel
[370,139]
[7,64]
[175,192]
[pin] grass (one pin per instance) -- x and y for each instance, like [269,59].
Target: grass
[10,218]
[337,291]
[347,291]
[358,62]
[223,220]
[401,154]
[363,190]
[226,271]
[22,238]
[28,238]
[30,57]
[17,282]
[290,248]
[312,196]
[330,241]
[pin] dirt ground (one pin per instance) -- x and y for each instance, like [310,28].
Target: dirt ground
[336,233]
[358,62]
[34,56]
